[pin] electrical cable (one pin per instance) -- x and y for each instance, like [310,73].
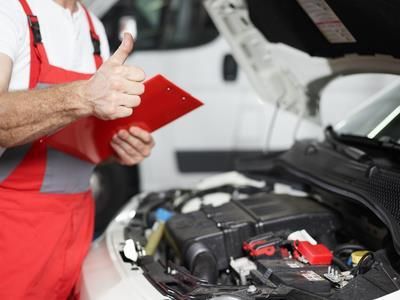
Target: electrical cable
[342,266]
[343,247]
[271,128]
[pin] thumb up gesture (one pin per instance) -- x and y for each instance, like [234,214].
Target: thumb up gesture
[115,89]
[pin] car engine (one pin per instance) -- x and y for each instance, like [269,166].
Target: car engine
[207,240]
[230,242]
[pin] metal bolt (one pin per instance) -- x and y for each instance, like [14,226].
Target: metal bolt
[252,289]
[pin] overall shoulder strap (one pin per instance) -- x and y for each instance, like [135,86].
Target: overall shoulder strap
[95,39]
[38,53]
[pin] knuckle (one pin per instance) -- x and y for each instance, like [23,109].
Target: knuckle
[139,143]
[135,143]
[114,96]
[116,84]
[124,134]
[140,148]
[110,110]
[118,70]
[131,152]
[148,138]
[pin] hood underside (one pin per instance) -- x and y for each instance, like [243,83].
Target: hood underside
[330,28]
[335,38]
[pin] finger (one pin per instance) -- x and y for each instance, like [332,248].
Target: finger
[133,73]
[127,146]
[141,134]
[124,50]
[122,112]
[133,145]
[122,155]
[128,101]
[130,87]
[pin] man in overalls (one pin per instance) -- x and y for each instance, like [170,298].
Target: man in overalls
[52,74]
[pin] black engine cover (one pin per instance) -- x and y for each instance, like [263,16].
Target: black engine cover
[220,231]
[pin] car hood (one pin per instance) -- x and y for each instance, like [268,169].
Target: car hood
[331,37]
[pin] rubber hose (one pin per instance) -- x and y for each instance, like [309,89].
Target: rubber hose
[202,263]
[205,268]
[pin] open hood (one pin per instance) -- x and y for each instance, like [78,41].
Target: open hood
[330,28]
[335,37]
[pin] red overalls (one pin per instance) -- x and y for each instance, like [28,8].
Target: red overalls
[46,207]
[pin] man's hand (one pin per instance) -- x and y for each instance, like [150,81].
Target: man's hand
[132,146]
[111,93]
[115,89]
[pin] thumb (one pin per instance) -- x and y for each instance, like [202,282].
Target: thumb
[122,53]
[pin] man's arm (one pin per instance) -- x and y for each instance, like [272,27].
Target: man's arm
[110,94]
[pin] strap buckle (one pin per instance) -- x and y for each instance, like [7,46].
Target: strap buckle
[35,27]
[96,43]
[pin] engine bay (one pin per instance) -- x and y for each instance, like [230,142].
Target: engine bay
[230,242]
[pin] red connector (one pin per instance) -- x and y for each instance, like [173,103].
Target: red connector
[267,250]
[262,246]
[248,246]
[314,254]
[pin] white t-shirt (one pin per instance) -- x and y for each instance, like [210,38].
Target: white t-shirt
[65,36]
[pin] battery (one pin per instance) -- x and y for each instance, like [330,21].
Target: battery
[295,274]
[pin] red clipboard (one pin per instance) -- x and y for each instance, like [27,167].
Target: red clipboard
[89,138]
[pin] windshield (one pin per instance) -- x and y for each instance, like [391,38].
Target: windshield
[378,118]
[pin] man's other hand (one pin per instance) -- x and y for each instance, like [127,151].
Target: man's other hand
[115,89]
[132,146]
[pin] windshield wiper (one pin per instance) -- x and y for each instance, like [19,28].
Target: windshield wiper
[384,143]
[341,146]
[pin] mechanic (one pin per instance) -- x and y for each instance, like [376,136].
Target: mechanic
[52,74]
